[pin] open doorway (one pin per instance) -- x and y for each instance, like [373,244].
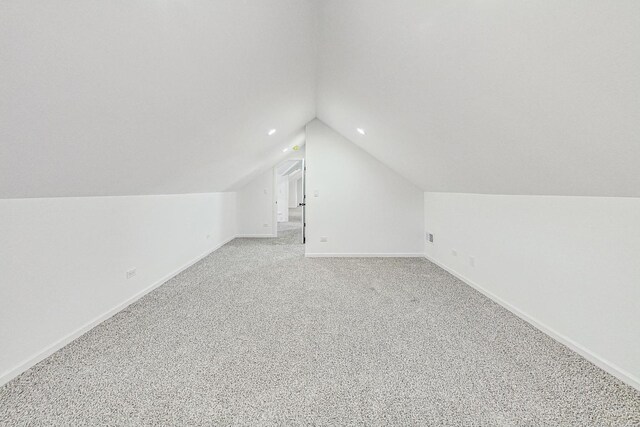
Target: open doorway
[290,200]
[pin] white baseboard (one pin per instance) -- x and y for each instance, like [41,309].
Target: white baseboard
[255,236]
[365,255]
[48,351]
[600,362]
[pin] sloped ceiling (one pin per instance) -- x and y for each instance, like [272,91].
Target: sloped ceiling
[489,96]
[149,97]
[157,97]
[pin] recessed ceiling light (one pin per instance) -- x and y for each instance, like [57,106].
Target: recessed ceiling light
[285,150]
[271,132]
[361,131]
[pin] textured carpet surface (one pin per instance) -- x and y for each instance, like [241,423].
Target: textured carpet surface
[255,334]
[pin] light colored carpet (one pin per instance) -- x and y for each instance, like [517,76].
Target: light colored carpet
[255,334]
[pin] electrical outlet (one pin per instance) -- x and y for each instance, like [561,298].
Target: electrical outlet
[265,225]
[472,261]
[316,193]
[131,273]
[323,238]
[429,237]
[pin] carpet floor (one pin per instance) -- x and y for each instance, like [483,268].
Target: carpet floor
[256,334]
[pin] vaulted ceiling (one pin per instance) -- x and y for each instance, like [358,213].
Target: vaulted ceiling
[149,96]
[158,97]
[489,96]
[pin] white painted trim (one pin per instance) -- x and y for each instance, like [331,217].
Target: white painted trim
[600,362]
[48,351]
[356,255]
[255,236]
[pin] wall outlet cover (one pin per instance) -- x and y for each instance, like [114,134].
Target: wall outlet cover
[130,273]
[323,238]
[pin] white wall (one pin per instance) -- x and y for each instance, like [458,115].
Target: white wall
[63,261]
[568,264]
[363,207]
[256,210]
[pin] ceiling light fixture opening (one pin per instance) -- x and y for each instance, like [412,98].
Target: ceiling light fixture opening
[361,131]
[271,132]
[285,150]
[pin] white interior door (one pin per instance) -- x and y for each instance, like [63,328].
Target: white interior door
[283,199]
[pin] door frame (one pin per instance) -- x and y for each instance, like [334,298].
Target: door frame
[274,211]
